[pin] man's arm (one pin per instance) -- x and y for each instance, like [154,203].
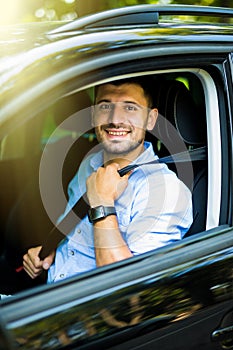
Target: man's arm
[109,244]
[103,188]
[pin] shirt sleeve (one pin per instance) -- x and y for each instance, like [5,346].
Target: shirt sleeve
[161,213]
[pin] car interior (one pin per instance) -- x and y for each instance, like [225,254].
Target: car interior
[181,126]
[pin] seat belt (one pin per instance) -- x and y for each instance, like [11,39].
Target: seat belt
[81,206]
[186,156]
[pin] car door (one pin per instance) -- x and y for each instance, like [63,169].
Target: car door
[176,297]
[183,300]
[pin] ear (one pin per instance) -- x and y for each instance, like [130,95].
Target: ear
[152,118]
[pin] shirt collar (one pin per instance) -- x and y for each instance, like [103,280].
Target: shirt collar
[147,156]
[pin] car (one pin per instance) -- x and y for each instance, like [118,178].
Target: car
[175,297]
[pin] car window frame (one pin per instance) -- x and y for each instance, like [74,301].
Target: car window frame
[212,116]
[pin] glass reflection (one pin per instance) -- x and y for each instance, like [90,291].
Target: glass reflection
[134,310]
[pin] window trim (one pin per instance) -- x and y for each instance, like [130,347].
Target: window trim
[214,150]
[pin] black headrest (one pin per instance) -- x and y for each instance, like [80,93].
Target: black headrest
[179,120]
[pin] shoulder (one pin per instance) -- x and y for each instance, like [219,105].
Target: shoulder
[159,179]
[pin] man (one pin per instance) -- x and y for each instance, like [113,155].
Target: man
[145,209]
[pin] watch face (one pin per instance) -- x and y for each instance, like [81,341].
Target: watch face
[96,213]
[100,212]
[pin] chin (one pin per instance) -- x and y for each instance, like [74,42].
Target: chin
[119,149]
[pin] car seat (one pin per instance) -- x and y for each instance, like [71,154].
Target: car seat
[181,126]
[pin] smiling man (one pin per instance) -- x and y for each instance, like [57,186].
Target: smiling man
[143,210]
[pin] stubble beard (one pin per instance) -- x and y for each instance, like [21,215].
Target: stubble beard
[116,147]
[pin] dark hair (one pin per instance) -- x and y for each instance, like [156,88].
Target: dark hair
[141,81]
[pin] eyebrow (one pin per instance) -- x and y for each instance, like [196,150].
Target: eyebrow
[103,100]
[125,102]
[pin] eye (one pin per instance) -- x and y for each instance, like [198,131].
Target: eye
[104,106]
[131,107]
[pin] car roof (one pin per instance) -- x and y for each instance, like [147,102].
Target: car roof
[143,15]
[23,37]
[119,32]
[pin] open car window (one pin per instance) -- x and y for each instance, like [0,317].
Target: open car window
[51,146]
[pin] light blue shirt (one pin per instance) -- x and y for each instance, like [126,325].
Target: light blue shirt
[154,210]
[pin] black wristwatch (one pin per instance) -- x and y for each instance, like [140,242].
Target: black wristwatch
[100,212]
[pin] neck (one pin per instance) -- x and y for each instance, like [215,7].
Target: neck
[123,159]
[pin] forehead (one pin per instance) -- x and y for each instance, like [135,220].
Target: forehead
[121,93]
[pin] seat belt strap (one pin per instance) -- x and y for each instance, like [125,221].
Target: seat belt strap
[186,156]
[79,210]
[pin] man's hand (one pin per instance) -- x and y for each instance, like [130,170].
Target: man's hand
[105,185]
[103,188]
[32,263]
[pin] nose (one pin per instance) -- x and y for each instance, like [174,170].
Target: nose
[116,115]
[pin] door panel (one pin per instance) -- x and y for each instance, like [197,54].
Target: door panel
[172,301]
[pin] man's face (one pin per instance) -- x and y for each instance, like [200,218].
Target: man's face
[121,117]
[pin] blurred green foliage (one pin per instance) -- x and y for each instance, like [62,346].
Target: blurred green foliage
[18,11]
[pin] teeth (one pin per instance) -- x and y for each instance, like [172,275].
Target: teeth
[117,133]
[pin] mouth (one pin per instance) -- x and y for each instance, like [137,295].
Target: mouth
[114,131]
[116,135]
[117,132]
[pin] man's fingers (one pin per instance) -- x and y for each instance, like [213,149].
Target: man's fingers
[31,271]
[47,262]
[32,263]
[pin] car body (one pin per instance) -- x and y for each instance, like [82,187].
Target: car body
[175,297]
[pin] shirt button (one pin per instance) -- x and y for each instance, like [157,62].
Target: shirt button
[62,275]
[78,230]
[71,252]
